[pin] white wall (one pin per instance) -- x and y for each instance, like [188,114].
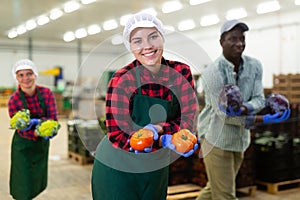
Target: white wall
[273,39]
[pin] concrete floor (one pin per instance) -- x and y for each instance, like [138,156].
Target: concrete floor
[67,180]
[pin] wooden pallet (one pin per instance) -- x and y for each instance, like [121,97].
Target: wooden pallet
[280,187]
[82,160]
[183,191]
[247,191]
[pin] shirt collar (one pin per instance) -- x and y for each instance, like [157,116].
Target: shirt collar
[162,75]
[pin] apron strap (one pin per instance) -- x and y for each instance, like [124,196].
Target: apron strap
[138,81]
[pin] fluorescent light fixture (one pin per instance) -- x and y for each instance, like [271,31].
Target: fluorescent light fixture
[30,25]
[21,30]
[12,34]
[171,6]
[55,14]
[69,36]
[124,19]
[266,7]
[236,13]
[87,1]
[42,20]
[80,33]
[197,2]
[117,39]
[110,25]
[151,11]
[209,20]
[71,6]
[186,25]
[297,2]
[93,29]
[169,28]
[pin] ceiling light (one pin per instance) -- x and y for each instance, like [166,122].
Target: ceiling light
[267,7]
[171,6]
[21,30]
[197,2]
[30,24]
[124,18]
[297,2]
[110,25]
[151,11]
[87,1]
[94,29]
[117,39]
[71,6]
[69,36]
[80,33]
[42,20]
[209,20]
[237,13]
[186,25]
[12,34]
[55,14]
[169,28]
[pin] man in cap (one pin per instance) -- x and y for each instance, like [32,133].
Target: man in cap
[29,151]
[226,131]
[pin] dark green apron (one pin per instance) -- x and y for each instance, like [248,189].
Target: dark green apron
[118,174]
[29,162]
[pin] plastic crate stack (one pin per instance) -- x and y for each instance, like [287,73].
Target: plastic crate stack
[83,137]
[277,149]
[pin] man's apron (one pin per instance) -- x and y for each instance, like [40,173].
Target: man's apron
[118,174]
[29,162]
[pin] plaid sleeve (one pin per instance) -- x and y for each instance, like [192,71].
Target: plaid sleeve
[14,105]
[118,110]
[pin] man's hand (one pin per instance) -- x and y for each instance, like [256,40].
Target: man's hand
[277,117]
[230,112]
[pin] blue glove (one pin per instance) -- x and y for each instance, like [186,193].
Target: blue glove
[230,112]
[167,143]
[49,137]
[277,117]
[154,130]
[33,122]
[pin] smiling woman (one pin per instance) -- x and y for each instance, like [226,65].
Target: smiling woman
[29,149]
[153,95]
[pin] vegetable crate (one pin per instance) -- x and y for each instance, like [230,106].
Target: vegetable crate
[83,138]
[277,159]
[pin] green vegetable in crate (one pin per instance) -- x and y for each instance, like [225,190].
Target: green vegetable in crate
[47,128]
[20,120]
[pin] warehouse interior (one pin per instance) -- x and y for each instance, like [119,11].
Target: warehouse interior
[77,50]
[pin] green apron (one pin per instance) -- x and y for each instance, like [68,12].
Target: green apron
[29,162]
[118,174]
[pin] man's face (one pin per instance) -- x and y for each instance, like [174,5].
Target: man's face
[233,43]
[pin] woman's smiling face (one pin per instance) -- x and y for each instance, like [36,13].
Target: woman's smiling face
[147,46]
[26,78]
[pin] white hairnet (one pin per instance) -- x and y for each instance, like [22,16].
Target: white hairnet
[141,19]
[24,64]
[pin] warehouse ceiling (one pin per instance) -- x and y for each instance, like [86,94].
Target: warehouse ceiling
[14,13]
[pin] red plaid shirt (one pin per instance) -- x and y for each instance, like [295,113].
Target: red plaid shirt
[123,86]
[15,104]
